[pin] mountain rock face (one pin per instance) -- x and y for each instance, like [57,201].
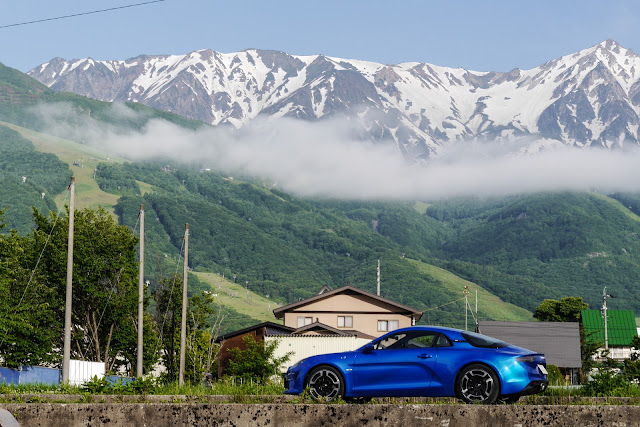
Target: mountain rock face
[589,98]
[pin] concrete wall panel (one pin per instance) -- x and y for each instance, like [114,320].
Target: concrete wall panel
[303,415]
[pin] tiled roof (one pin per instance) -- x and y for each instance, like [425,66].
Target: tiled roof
[279,312]
[271,329]
[621,326]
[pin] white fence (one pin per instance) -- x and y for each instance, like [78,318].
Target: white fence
[80,371]
[310,345]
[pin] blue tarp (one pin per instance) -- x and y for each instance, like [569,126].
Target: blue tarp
[39,375]
[30,375]
[9,376]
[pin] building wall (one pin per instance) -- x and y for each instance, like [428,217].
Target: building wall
[346,302]
[366,323]
[618,353]
[303,346]
[365,314]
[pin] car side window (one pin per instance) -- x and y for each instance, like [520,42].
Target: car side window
[421,341]
[443,341]
[416,339]
[391,341]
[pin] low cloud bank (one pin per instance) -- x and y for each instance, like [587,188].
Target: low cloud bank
[322,160]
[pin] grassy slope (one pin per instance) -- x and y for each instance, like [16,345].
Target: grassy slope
[618,205]
[88,195]
[234,295]
[490,306]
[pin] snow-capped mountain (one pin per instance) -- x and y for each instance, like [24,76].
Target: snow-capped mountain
[591,97]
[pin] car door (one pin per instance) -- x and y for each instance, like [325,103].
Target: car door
[399,364]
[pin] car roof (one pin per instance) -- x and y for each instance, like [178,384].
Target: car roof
[442,329]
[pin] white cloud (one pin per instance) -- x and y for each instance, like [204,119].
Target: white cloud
[321,160]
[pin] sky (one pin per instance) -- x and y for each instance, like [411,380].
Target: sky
[491,35]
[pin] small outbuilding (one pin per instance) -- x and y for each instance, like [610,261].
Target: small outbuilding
[558,341]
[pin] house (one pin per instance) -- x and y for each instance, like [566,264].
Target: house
[333,320]
[349,309]
[621,328]
[558,341]
[235,339]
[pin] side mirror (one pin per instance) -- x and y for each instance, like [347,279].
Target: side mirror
[367,348]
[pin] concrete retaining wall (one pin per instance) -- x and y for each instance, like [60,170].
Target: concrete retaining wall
[293,415]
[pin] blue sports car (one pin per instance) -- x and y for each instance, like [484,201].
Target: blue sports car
[423,361]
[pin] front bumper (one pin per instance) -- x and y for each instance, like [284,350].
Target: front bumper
[291,383]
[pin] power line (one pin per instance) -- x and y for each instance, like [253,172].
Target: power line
[80,14]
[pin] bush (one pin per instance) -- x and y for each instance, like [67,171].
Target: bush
[609,382]
[256,360]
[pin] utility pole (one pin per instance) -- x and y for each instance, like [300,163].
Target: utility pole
[141,294]
[66,352]
[183,328]
[477,324]
[378,290]
[466,305]
[604,315]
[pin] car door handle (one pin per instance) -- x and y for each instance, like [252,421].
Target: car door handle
[425,356]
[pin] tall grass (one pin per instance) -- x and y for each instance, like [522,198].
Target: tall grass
[229,386]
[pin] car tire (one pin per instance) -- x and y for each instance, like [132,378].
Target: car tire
[478,383]
[325,383]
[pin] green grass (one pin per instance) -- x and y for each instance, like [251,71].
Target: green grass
[235,295]
[489,305]
[146,188]
[619,205]
[227,386]
[421,207]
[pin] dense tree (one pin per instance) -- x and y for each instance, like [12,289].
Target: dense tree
[568,309]
[105,284]
[29,327]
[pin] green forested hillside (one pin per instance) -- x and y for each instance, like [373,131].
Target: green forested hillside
[515,250]
[29,179]
[523,248]
[565,243]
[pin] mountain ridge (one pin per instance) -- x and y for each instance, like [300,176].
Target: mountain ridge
[591,97]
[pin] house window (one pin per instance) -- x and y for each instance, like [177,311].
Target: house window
[303,321]
[387,325]
[345,321]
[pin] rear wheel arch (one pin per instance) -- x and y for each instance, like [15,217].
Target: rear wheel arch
[495,395]
[495,371]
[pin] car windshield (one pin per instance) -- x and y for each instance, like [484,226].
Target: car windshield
[478,340]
